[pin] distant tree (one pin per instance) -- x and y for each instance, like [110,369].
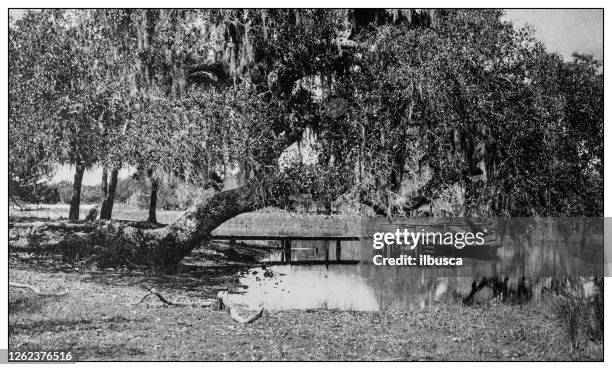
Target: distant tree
[70,69]
[53,74]
[120,62]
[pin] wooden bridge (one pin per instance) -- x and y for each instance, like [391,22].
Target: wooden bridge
[286,242]
[344,231]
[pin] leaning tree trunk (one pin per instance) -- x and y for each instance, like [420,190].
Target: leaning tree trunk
[75,202]
[165,247]
[153,201]
[109,200]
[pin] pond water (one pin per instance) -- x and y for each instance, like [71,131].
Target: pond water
[366,287]
[354,283]
[358,287]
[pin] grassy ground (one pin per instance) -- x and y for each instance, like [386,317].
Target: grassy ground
[99,320]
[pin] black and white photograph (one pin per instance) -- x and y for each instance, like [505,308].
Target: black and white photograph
[303,184]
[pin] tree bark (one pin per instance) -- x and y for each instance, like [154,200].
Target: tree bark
[104,184]
[75,202]
[153,201]
[107,205]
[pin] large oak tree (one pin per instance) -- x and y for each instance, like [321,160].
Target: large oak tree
[480,107]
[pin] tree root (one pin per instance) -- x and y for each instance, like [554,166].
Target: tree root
[36,291]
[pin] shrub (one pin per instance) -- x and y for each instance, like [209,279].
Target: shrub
[580,310]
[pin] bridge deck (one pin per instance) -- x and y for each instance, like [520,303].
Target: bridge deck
[286,242]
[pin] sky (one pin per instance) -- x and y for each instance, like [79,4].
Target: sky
[563,31]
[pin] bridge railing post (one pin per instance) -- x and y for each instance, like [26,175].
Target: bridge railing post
[287,250]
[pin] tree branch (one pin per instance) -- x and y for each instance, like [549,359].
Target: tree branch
[153,292]
[35,290]
[409,206]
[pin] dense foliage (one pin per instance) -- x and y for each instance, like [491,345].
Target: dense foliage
[479,104]
[409,109]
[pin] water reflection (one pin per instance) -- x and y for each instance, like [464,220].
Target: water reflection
[526,266]
[340,287]
[359,287]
